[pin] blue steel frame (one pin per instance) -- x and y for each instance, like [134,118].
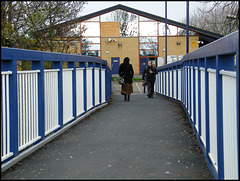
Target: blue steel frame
[9,58]
[216,55]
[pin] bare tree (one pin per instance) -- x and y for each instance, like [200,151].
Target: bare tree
[127,22]
[221,17]
[48,32]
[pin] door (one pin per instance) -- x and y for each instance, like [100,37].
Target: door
[143,64]
[115,64]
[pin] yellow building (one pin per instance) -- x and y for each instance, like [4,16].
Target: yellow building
[120,31]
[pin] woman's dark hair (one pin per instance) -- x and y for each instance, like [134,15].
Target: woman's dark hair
[126,60]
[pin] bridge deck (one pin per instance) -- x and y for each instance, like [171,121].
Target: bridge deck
[141,139]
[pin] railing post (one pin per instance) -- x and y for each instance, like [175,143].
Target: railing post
[226,64]
[187,86]
[93,84]
[237,90]
[173,86]
[73,65]
[13,103]
[208,63]
[41,101]
[190,88]
[84,65]
[108,83]
[165,82]
[168,82]
[100,83]
[194,91]
[176,84]
[200,64]
[58,65]
[105,67]
[183,84]
[219,66]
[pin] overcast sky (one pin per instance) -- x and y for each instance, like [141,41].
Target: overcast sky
[176,10]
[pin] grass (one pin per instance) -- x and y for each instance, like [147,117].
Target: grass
[134,79]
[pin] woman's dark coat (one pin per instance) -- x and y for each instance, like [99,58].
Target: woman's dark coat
[128,74]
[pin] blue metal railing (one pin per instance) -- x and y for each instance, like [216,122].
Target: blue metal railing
[206,83]
[38,105]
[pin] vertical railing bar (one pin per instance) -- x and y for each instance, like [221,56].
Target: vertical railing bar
[4,114]
[19,99]
[34,105]
[37,125]
[28,110]
[219,110]
[189,89]
[194,93]
[46,100]
[49,79]
[24,110]
[8,116]
[51,100]
[182,84]
[45,97]
[47,113]
[199,98]
[56,99]
[93,84]
[32,101]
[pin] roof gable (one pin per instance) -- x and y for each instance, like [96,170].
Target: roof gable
[141,13]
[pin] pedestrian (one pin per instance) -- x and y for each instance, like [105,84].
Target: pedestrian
[126,71]
[149,74]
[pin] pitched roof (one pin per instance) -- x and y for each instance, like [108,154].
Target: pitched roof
[141,13]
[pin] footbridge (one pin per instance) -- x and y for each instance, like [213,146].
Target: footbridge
[74,124]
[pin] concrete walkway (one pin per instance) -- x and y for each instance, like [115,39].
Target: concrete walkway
[141,139]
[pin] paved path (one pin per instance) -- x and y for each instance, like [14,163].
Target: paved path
[141,139]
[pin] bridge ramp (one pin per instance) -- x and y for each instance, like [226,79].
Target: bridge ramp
[141,139]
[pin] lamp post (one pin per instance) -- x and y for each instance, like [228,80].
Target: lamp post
[166,32]
[187,35]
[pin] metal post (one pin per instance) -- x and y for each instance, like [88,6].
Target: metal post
[187,36]
[58,65]
[165,32]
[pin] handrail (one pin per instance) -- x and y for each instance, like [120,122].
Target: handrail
[40,104]
[206,83]
[212,49]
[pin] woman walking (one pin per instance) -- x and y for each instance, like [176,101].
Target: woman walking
[126,71]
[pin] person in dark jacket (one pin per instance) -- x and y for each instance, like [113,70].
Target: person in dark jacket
[126,71]
[150,74]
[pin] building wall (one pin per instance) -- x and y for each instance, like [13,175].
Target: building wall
[109,29]
[174,49]
[129,48]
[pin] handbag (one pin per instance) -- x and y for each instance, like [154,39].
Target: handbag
[121,79]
